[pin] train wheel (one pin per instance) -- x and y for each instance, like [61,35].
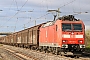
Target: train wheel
[45,49]
[53,50]
[40,49]
[49,49]
[56,51]
[28,46]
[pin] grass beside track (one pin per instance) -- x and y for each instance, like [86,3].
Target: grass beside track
[1,59]
[87,49]
[1,44]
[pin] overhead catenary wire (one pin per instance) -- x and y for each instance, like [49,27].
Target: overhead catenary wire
[59,7]
[34,19]
[11,4]
[48,13]
[47,5]
[45,14]
[26,2]
[67,4]
[16,4]
[16,12]
[39,17]
[15,24]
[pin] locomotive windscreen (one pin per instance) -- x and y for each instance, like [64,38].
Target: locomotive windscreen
[66,27]
[77,27]
[71,27]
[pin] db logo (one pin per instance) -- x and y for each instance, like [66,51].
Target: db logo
[72,36]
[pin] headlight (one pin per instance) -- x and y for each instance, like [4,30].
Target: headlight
[80,41]
[64,41]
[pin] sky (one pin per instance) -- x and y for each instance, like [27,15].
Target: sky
[16,15]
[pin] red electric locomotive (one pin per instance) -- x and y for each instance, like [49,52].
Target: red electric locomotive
[64,35]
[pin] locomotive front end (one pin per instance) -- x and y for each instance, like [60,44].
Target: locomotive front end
[73,35]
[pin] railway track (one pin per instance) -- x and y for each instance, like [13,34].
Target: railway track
[20,55]
[15,54]
[26,54]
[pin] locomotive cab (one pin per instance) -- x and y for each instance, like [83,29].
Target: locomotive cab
[73,35]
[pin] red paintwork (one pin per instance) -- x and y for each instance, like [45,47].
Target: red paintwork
[50,35]
[72,39]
